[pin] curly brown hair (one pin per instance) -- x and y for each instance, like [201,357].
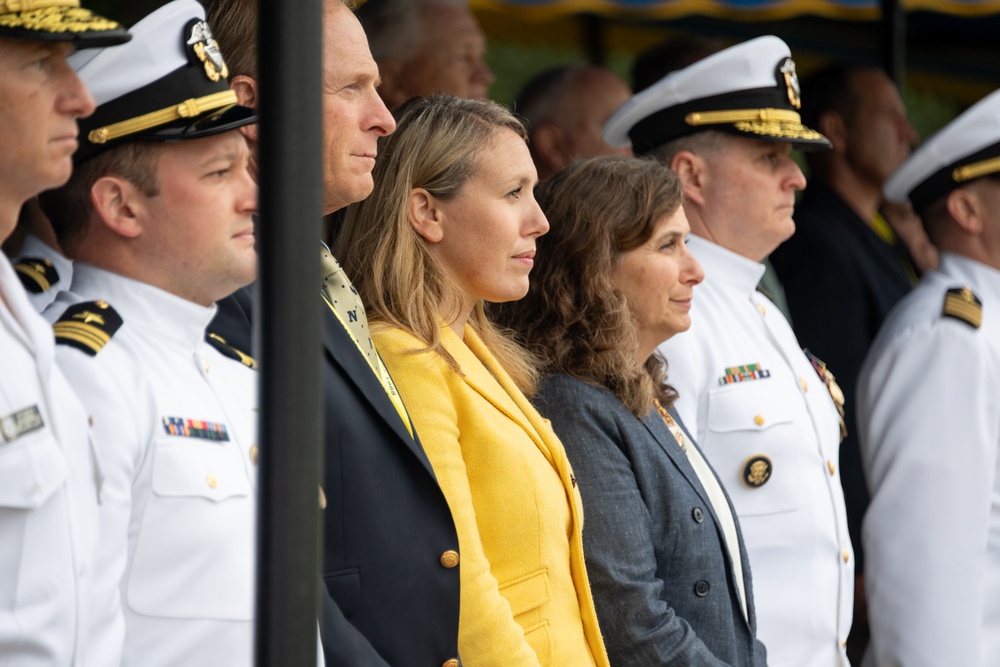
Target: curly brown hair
[573,318]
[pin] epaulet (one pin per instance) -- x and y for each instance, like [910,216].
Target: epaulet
[87,326]
[963,305]
[37,275]
[220,344]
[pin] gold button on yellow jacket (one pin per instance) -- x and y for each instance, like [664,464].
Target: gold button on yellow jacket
[525,597]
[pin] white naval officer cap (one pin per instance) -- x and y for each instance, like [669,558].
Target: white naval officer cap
[167,84]
[750,89]
[966,149]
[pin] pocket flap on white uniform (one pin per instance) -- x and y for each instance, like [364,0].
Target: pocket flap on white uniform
[32,468]
[755,405]
[199,469]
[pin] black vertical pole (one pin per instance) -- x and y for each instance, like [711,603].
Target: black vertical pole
[894,41]
[592,28]
[288,318]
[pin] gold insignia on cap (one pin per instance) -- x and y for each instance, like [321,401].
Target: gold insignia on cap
[963,305]
[203,43]
[53,16]
[757,470]
[787,69]
[220,102]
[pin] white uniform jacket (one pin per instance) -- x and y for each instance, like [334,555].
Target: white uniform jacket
[766,422]
[48,495]
[929,419]
[44,271]
[175,428]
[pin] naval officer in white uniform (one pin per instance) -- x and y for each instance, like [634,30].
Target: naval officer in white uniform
[157,217]
[929,417]
[765,414]
[49,481]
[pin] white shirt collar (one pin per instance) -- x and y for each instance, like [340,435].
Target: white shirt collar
[723,265]
[142,305]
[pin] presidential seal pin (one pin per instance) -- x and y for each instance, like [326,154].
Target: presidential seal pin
[756,471]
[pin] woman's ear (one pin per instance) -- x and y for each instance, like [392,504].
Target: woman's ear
[118,204]
[426,215]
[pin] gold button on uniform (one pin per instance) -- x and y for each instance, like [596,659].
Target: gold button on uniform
[761,308]
[759,420]
[832,468]
[451,663]
[254,454]
[213,481]
[804,385]
[449,559]
[205,364]
[846,554]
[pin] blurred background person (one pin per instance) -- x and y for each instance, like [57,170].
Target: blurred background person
[564,109]
[929,417]
[667,564]
[452,223]
[764,413]
[424,47]
[843,270]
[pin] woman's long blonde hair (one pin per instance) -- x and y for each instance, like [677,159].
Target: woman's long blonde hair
[436,146]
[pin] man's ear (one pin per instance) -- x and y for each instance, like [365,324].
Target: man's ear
[245,88]
[831,125]
[119,205]
[426,216]
[693,172]
[547,140]
[964,207]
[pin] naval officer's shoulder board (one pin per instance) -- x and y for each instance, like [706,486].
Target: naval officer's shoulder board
[87,326]
[961,304]
[37,275]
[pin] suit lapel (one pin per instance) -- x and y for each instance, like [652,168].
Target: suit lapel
[484,375]
[654,424]
[344,352]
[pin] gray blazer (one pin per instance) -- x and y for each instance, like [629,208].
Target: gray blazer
[662,577]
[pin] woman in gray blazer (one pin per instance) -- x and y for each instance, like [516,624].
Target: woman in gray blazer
[613,280]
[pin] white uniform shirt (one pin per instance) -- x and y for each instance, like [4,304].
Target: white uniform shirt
[35,248]
[48,495]
[178,516]
[794,524]
[929,419]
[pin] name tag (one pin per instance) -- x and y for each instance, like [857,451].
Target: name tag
[19,423]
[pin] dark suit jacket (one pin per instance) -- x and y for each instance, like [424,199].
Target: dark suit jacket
[841,280]
[662,578]
[386,526]
[233,320]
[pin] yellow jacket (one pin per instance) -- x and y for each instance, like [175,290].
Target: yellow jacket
[525,597]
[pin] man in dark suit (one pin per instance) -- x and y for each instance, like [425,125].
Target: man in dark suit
[843,270]
[390,551]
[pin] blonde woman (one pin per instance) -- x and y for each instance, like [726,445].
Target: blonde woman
[452,223]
